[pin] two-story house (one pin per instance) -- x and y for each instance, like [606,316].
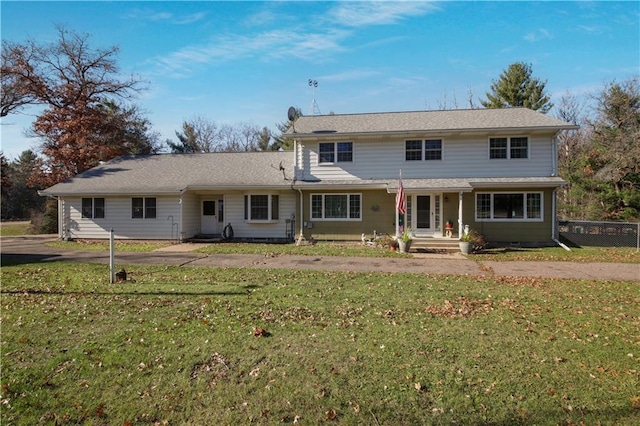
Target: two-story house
[492,169]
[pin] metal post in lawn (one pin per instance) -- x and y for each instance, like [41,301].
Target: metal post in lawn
[112,260]
[638,239]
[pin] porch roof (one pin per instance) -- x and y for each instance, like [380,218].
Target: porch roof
[432,185]
[468,184]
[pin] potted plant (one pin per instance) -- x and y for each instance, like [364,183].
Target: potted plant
[466,242]
[404,240]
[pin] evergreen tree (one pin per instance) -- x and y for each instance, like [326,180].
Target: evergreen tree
[279,141]
[516,87]
[615,157]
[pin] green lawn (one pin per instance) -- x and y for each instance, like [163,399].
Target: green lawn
[178,345]
[319,249]
[558,254]
[10,229]
[103,245]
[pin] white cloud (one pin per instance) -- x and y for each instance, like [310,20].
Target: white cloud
[357,74]
[152,16]
[276,44]
[541,34]
[358,14]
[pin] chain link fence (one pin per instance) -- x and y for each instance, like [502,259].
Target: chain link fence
[600,234]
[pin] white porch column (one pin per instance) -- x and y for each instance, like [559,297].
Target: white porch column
[460,224]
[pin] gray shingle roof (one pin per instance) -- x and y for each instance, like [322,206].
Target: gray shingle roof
[426,121]
[439,184]
[172,173]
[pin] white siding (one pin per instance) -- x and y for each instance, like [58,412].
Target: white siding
[190,215]
[169,211]
[461,157]
[118,218]
[234,214]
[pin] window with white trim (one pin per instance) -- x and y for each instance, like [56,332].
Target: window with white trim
[143,208]
[93,208]
[335,152]
[509,147]
[419,150]
[336,206]
[261,207]
[507,206]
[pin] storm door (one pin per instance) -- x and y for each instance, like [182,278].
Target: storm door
[209,220]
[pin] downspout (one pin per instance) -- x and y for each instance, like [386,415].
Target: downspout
[301,237]
[61,224]
[554,172]
[180,236]
[554,226]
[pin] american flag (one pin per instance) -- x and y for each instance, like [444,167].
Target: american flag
[401,201]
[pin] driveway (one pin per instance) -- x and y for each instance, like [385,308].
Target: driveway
[33,248]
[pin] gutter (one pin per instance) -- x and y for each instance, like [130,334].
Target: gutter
[333,134]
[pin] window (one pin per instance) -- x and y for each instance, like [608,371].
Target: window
[263,207]
[433,149]
[336,206]
[509,206]
[413,150]
[345,152]
[93,208]
[498,148]
[519,148]
[418,150]
[330,152]
[150,208]
[98,208]
[87,207]
[509,147]
[143,208]
[208,208]
[220,211]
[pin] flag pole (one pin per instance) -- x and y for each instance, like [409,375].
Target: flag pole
[401,204]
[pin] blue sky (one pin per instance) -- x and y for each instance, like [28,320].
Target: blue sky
[233,62]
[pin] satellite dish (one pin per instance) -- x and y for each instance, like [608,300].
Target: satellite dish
[291,113]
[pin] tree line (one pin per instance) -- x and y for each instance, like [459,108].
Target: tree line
[89,116]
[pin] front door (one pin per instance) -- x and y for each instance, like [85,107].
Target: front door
[424,214]
[209,221]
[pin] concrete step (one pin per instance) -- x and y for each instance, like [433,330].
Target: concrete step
[435,245]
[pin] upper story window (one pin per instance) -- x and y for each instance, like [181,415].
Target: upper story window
[514,147]
[261,207]
[433,149]
[336,206]
[143,208]
[335,152]
[418,149]
[93,208]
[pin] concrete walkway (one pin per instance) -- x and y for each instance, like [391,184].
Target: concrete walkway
[32,249]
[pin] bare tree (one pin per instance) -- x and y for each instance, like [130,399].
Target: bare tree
[14,93]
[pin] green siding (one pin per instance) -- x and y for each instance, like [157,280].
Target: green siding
[506,232]
[378,213]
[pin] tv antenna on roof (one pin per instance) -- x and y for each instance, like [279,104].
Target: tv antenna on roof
[314,106]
